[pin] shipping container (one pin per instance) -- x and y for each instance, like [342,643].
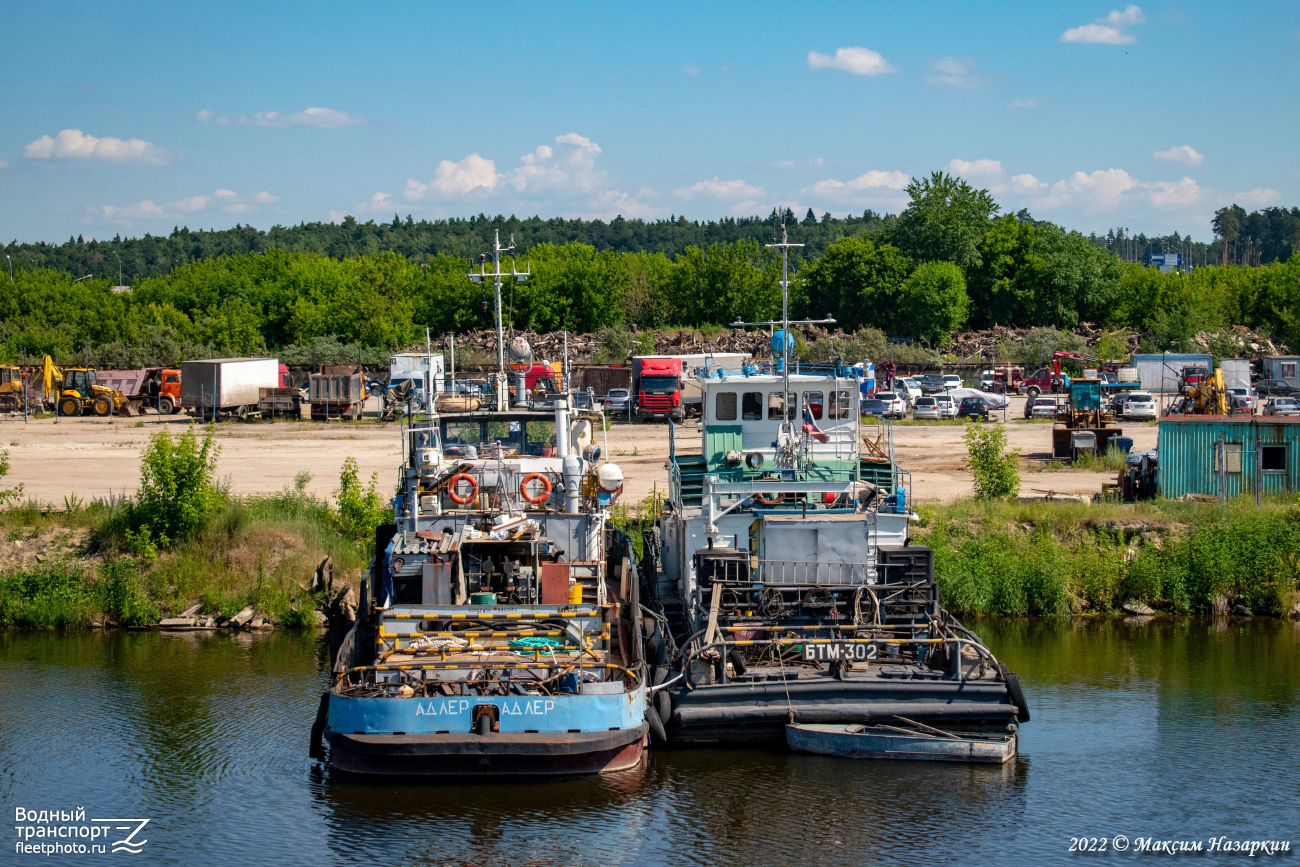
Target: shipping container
[599,380]
[226,385]
[1284,367]
[1261,453]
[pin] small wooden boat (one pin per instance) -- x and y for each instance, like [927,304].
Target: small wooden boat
[880,741]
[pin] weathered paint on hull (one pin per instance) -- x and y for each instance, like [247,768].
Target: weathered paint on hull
[837,740]
[490,755]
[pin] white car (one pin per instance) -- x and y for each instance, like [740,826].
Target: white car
[1140,405]
[947,406]
[1282,406]
[1042,407]
[908,386]
[1241,400]
[616,400]
[951,380]
[896,403]
[986,380]
[926,407]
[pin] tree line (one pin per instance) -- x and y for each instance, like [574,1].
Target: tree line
[950,261]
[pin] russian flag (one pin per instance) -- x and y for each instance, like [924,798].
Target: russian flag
[810,426]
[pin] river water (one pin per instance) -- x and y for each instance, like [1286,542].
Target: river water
[1177,729]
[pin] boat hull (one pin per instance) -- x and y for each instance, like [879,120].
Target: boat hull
[495,754]
[861,742]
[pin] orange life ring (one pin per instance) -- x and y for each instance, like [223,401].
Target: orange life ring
[764,499]
[546,488]
[457,498]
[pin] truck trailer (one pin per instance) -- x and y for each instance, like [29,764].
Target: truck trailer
[667,386]
[218,387]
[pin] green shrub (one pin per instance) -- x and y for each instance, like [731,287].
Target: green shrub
[360,510]
[177,493]
[996,476]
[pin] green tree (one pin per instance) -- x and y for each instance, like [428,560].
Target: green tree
[944,221]
[724,283]
[857,282]
[360,510]
[932,303]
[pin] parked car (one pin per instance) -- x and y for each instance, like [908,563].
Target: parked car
[616,400]
[873,407]
[951,380]
[1241,400]
[986,380]
[1274,387]
[926,407]
[1139,405]
[1041,407]
[972,408]
[897,405]
[910,387]
[586,400]
[932,383]
[1282,406]
[947,406]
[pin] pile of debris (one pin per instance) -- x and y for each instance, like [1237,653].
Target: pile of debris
[1253,345]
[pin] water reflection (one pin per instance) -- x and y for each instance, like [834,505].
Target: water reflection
[1169,727]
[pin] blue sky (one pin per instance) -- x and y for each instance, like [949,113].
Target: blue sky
[127,118]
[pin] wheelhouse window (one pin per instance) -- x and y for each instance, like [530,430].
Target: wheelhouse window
[775,404]
[839,407]
[724,406]
[1274,459]
[814,401]
[751,406]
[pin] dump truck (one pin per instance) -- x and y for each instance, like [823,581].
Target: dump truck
[76,391]
[338,391]
[156,388]
[219,387]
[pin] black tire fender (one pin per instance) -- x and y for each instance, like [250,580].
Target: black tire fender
[658,735]
[664,705]
[317,749]
[1015,693]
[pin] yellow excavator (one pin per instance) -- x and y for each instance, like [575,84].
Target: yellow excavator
[74,391]
[1206,396]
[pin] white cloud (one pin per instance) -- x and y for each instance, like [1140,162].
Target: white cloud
[142,210]
[720,189]
[73,144]
[325,118]
[1257,198]
[337,216]
[857,60]
[613,203]
[1026,184]
[954,72]
[1180,154]
[873,179]
[1175,194]
[816,162]
[1027,103]
[456,179]
[974,169]
[1109,30]
[1103,189]
[691,70]
[227,200]
[572,171]
[192,204]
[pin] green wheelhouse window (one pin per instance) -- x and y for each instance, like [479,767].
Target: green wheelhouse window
[751,406]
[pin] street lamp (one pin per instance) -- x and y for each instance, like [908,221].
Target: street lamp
[119,268]
[11,267]
[79,279]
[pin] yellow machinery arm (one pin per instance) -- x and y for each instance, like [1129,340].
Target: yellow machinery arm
[52,380]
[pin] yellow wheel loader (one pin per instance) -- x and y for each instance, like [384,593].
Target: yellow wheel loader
[74,391]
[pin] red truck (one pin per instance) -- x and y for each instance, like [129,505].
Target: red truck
[657,386]
[1051,380]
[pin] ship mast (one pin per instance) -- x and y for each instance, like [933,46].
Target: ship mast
[496,274]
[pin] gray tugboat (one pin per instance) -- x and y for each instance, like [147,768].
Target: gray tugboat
[783,581]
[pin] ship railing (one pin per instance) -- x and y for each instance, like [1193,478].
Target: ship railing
[817,572]
[954,645]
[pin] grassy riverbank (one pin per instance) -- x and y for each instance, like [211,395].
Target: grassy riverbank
[259,551]
[1073,558]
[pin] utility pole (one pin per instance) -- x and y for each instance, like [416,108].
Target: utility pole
[119,268]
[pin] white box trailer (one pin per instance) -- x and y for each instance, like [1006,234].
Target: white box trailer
[1236,372]
[226,385]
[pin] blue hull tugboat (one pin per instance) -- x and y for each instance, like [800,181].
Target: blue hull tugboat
[786,587]
[495,628]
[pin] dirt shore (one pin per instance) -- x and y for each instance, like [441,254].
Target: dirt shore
[90,457]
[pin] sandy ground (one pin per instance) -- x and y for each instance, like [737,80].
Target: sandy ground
[96,457]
